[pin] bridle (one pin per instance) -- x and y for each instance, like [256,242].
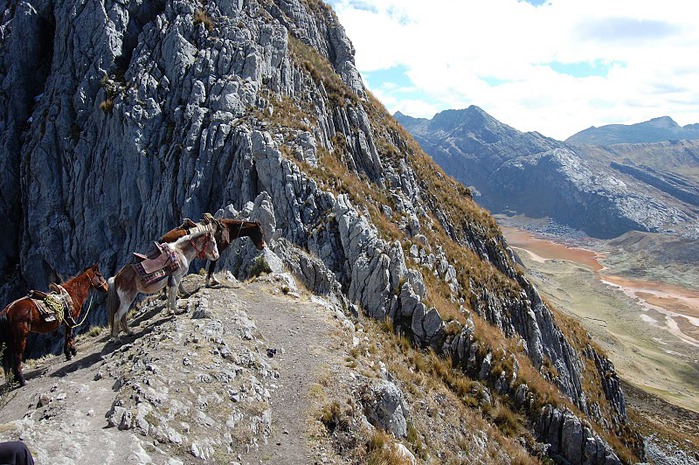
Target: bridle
[237,245]
[97,280]
[200,252]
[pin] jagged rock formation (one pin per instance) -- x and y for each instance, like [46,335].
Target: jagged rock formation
[574,441]
[600,191]
[150,112]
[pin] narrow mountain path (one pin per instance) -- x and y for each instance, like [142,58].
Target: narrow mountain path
[300,333]
[246,365]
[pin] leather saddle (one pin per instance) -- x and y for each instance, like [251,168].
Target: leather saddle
[157,263]
[155,252]
[51,305]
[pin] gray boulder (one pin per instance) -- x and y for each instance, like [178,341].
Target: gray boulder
[385,408]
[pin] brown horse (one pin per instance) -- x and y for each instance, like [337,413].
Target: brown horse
[127,284]
[227,230]
[22,317]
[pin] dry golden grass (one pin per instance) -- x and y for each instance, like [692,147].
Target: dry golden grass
[321,72]
[430,380]
[202,17]
[107,105]
[450,203]
[382,451]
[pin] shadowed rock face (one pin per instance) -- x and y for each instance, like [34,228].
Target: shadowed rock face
[599,190]
[151,112]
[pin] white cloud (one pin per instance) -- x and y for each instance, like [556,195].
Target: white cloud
[449,46]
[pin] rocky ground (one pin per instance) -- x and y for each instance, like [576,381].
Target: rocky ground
[258,372]
[671,432]
[196,387]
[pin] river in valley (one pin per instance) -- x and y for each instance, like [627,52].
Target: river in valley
[650,329]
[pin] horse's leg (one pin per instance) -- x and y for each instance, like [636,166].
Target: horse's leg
[125,325]
[210,278]
[69,346]
[125,301]
[122,320]
[172,297]
[21,332]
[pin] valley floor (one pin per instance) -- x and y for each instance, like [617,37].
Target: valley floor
[649,328]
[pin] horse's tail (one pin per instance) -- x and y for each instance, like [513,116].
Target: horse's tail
[112,301]
[6,343]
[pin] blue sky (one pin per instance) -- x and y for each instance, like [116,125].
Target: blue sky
[553,66]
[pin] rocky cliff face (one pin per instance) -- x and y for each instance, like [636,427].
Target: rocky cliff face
[120,118]
[594,189]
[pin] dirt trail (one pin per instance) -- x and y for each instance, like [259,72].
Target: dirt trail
[299,334]
[62,413]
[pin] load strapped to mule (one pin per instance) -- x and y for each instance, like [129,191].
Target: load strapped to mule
[147,275]
[158,264]
[55,305]
[42,312]
[226,230]
[161,261]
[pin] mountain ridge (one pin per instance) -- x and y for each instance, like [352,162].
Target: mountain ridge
[602,191]
[654,130]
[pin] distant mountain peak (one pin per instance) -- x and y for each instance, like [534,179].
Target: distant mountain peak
[662,122]
[658,129]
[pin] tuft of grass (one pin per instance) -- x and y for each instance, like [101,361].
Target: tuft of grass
[259,266]
[95,331]
[507,421]
[331,416]
[107,105]
[202,17]
[382,451]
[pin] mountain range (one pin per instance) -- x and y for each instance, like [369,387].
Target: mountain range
[602,190]
[658,129]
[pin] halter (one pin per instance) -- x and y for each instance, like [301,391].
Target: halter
[95,280]
[200,253]
[237,244]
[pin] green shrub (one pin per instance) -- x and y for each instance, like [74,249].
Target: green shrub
[259,266]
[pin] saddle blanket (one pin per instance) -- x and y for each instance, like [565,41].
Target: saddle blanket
[52,306]
[47,314]
[153,270]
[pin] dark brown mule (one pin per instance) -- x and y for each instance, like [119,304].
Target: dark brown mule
[22,317]
[227,230]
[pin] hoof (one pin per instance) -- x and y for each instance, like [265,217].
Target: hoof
[73,350]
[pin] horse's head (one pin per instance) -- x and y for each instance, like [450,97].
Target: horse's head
[206,246]
[257,236]
[96,279]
